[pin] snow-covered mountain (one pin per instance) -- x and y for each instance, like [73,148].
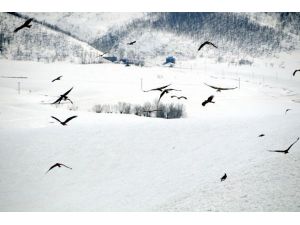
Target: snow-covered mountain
[239,36]
[42,43]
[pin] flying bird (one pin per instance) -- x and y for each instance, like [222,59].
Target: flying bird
[206,43]
[261,135]
[63,97]
[159,88]
[64,123]
[224,177]
[26,24]
[210,98]
[57,78]
[166,91]
[101,55]
[219,89]
[58,165]
[295,72]
[179,97]
[285,151]
[131,43]
[287,110]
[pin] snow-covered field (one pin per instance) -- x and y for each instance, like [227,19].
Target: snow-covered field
[130,163]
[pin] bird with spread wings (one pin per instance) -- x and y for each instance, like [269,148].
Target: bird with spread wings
[58,165]
[206,43]
[286,150]
[64,123]
[63,97]
[219,89]
[26,24]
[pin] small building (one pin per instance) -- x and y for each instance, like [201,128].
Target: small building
[170,59]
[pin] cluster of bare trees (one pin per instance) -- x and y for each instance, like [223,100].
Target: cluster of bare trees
[148,109]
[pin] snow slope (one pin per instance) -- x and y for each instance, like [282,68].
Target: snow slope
[129,163]
[87,25]
[40,43]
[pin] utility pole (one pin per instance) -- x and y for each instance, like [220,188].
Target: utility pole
[19,87]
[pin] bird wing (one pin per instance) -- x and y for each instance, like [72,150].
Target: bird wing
[57,78]
[173,96]
[27,22]
[211,44]
[56,119]
[204,103]
[165,91]
[70,118]
[18,28]
[51,167]
[201,46]
[226,88]
[276,150]
[210,98]
[211,86]
[292,144]
[295,72]
[68,92]
[159,88]
[69,100]
[182,97]
[58,100]
[65,166]
[287,110]
[220,88]
[172,89]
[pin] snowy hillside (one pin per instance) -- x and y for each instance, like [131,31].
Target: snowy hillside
[86,26]
[237,35]
[40,43]
[130,163]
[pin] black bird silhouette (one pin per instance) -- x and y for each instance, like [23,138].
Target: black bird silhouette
[64,123]
[261,135]
[63,97]
[206,43]
[285,151]
[58,165]
[57,78]
[26,24]
[219,89]
[159,88]
[287,110]
[210,98]
[166,91]
[101,55]
[295,72]
[224,177]
[179,97]
[131,43]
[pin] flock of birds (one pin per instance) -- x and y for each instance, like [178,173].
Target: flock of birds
[164,90]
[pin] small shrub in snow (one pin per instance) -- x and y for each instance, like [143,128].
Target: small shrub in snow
[124,108]
[98,108]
